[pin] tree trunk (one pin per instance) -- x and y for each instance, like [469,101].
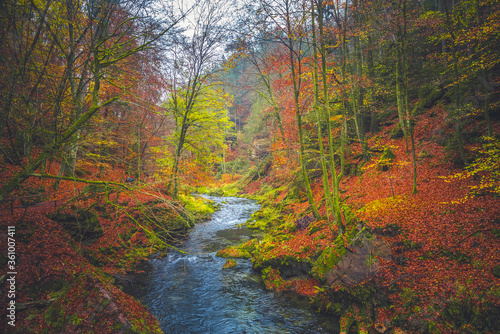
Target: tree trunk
[335,198]
[358,95]
[296,94]
[324,169]
[410,126]
[371,74]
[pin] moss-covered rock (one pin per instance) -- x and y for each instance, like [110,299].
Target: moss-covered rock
[328,259]
[428,95]
[273,280]
[250,246]
[82,225]
[264,219]
[396,132]
[88,304]
[496,271]
[361,262]
[198,207]
[231,252]
[229,264]
[386,159]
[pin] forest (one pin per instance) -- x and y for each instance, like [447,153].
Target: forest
[367,131]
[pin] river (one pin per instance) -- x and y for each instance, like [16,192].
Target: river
[191,293]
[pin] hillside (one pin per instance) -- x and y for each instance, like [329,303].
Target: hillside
[418,262]
[369,131]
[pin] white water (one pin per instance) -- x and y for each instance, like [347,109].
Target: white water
[191,293]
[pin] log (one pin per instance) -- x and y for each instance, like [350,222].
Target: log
[37,303]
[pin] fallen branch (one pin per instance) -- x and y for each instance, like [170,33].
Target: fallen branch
[125,279]
[69,178]
[38,303]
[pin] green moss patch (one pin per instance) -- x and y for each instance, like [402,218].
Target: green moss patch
[82,225]
[233,252]
[328,258]
[200,207]
[264,219]
[229,264]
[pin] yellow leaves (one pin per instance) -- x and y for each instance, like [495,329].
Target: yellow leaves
[458,201]
[431,14]
[101,142]
[486,167]
[336,118]
[380,205]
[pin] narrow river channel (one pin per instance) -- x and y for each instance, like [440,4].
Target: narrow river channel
[191,293]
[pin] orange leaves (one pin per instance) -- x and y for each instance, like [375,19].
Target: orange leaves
[281,197]
[438,249]
[305,287]
[274,281]
[302,244]
[138,238]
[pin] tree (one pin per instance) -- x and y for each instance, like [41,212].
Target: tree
[285,21]
[207,125]
[96,36]
[193,70]
[332,196]
[469,28]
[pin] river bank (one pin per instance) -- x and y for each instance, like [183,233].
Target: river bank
[191,292]
[76,261]
[424,262]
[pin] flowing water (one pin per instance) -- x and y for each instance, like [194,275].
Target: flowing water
[191,293]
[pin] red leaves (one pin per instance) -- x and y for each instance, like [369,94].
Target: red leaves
[306,287]
[46,252]
[439,247]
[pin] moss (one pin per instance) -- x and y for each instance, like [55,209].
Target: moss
[356,303]
[264,219]
[249,246]
[314,229]
[464,311]
[496,232]
[133,256]
[386,159]
[229,264]
[103,305]
[258,224]
[233,252]
[456,255]
[230,189]
[346,322]
[496,271]
[128,233]
[428,95]
[32,196]
[75,319]
[396,132]
[52,287]
[198,206]
[328,258]
[273,280]
[54,316]
[82,225]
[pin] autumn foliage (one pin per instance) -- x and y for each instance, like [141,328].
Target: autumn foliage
[354,123]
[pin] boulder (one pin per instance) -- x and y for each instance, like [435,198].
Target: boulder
[304,222]
[359,262]
[82,225]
